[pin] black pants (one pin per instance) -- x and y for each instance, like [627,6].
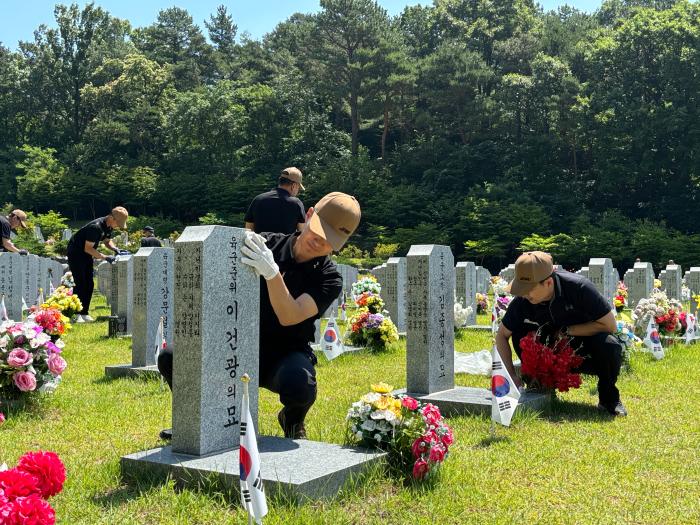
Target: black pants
[81,268]
[602,357]
[293,377]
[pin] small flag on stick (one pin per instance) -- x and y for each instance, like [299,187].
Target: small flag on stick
[3,309]
[331,344]
[653,341]
[504,394]
[252,490]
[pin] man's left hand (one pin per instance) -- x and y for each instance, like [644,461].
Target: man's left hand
[259,256]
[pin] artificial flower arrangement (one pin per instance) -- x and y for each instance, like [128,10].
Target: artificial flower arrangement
[25,488]
[500,286]
[482,303]
[369,327]
[64,300]
[51,320]
[67,280]
[29,360]
[629,341]
[696,298]
[414,434]
[665,312]
[367,283]
[657,284]
[549,367]
[685,293]
[462,315]
[620,299]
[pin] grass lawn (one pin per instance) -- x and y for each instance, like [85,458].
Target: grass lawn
[570,466]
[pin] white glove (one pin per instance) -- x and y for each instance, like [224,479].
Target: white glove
[259,256]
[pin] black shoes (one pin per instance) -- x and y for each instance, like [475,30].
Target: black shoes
[166,434]
[618,410]
[297,431]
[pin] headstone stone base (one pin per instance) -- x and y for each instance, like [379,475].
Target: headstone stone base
[116,326]
[300,470]
[116,371]
[480,327]
[464,400]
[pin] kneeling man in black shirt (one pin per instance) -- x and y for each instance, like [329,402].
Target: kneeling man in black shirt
[558,303]
[300,283]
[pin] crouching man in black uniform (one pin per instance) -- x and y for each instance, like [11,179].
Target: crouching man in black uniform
[561,304]
[300,282]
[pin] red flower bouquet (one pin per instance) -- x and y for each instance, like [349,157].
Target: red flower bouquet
[23,489]
[550,367]
[669,323]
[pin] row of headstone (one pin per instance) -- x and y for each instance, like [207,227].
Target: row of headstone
[671,281]
[507,273]
[395,291]
[38,235]
[66,234]
[602,274]
[640,282]
[21,277]
[692,281]
[349,275]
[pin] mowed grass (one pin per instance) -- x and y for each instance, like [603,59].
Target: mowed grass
[569,466]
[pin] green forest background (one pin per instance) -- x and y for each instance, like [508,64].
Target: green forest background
[488,125]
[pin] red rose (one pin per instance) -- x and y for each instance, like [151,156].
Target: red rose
[448,437]
[431,414]
[47,468]
[18,484]
[419,446]
[420,469]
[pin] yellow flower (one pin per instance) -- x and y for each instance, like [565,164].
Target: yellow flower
[382,388]
[383,403]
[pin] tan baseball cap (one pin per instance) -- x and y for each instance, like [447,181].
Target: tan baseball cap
[21,216]
[293,174]
[120,215]
[336,217]
[530,269]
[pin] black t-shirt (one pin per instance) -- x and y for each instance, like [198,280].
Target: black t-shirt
[150,242]
[6,231]
[94,231]
[575,301]
[318,277]
[275,211]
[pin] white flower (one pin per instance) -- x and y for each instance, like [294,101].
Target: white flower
[59,343]
[4,340]
[372,397]
[377,414]
[369,425]
[378,437]
[359,435]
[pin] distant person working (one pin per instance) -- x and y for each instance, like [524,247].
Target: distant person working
[149,239]
[278,210]
[16,219]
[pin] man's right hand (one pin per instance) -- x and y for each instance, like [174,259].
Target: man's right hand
[23,252]
[110,259]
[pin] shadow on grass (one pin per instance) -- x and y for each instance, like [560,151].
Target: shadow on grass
[562,411]
[106,380]
[30,405]
[492,439]
[128,491]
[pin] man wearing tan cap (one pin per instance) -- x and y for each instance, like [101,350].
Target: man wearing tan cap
[301,282]
[561,304]
[278,210]
[82,249]
[16,219]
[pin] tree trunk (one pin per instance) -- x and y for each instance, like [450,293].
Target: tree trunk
[355,120]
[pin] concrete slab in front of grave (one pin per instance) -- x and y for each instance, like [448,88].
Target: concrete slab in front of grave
[116,371]
[479,327]
[463,400]
[299,469]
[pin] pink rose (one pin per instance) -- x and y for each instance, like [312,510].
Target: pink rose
[56,364]
[409,403]
[419,446]
[420,469]
[437,453]
[2,420]
[19,357]
[25,381]
[431,414]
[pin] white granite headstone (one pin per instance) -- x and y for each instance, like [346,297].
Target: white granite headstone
[11,269]
[395,292]
[600,274]
[465,287]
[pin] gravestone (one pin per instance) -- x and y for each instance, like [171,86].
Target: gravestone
[153,270]
[67,234]
[616,278]
[465,287]
[167,243]
[30,279]
[692,281]
[483,280]
[600,274]
[583,271]
[56,273]
[104,280]
[38,235]
[114,291]
[641,283]
[124,269]
[673,281]
[216,340]
[507,273]
[11,269]
[332,310]
[430,337]
[395,294]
